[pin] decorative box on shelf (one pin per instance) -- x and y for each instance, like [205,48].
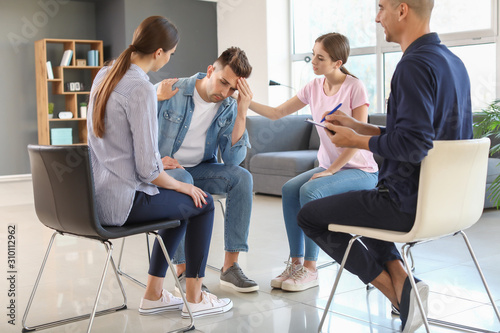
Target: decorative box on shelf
[61,136]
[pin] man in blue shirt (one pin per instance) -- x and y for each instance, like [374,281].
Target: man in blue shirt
[429,100]
[199,121]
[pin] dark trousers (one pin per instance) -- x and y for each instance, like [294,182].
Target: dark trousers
[196,224]
[369,208]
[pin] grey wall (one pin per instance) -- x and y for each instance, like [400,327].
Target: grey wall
[22,22]
[110,20]
[196,21]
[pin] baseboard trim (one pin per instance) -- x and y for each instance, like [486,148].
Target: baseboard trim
[15,178]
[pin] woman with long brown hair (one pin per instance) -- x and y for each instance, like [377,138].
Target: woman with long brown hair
[340,170]
[131,185]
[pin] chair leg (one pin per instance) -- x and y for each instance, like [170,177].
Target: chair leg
[326,264]
[337,279]
[122,273]
[463,327]
[94,313]
[177,283]
[480,271]
[413,284]
[412,260]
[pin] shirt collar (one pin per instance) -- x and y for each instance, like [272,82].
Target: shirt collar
[139,70]
[430,38]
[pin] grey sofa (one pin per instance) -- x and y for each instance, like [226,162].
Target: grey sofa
[284,148]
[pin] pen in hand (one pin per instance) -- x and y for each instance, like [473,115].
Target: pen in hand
[329,113]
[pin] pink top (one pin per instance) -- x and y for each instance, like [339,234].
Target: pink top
[352,94]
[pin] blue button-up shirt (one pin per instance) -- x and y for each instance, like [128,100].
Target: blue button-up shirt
[174,118]
[430,100]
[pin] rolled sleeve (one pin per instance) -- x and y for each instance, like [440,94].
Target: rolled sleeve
[144,129]
[235,154]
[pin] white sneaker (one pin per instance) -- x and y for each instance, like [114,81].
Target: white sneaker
[209,305]
[287,273]
[301,279]
[167,302]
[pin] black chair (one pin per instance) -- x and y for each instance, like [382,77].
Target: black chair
[64,201]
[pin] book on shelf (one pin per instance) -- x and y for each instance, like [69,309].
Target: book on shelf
[50,73]
[93,58]
[66,58]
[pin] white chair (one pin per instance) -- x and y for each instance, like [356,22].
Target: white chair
[450,200]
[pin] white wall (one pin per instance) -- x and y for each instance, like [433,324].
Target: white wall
[243,23]
[262,29]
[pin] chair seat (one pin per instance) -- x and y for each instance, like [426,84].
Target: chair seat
[381,234]
[137,228]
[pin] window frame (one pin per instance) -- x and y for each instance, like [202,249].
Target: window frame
[477,37]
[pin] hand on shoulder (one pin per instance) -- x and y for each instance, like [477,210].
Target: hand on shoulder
[165,91]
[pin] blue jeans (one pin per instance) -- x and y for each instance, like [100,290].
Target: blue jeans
[237,184]
[300,190]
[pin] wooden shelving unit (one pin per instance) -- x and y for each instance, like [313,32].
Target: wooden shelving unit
[54,90]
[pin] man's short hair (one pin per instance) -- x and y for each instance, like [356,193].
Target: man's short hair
[237,60]
[422,8]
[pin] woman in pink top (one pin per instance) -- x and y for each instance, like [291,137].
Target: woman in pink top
[340,169]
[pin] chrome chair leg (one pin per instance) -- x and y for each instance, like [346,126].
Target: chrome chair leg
[337,279]
[35,287]
[122,273]
[90,316]
[438,322]
[109,248]
[413,284]
[326,264]
[177,283]
[479,270]
[412,267]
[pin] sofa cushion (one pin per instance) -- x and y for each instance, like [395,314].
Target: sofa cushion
[285,134]
[493,169]
[378,119]
[284,163]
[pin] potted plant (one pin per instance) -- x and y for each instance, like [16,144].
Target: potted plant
[489,126]
[51,110]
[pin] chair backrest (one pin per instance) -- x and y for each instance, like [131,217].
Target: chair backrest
[452,187]
[63,189]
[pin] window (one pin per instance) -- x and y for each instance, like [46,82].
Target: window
[469,31]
